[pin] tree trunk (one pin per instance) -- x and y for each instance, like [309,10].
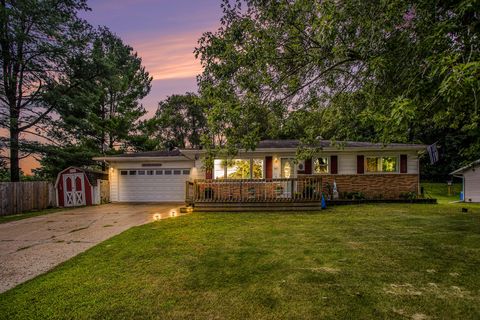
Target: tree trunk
[14,158]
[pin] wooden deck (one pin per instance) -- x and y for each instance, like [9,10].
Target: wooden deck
[259,191]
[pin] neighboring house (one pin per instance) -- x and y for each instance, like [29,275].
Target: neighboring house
[270,173]
[471,181]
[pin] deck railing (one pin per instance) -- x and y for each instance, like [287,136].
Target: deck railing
[301,189]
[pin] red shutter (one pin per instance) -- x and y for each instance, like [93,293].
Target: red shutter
[268,167]
[208,174]
[333,164]
[308,166]
[403,163]
[360,164]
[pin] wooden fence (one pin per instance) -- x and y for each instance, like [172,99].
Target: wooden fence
[18,197]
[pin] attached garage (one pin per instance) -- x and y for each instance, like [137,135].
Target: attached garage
[152,185]
[156,176]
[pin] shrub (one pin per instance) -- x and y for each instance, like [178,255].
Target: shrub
[208,193]
[408,195]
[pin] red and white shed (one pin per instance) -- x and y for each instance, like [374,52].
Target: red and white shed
[78,187]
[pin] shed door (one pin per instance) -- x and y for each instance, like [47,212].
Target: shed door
[152,185]
[74,189]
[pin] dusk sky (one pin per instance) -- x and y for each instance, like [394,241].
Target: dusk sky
[164,33]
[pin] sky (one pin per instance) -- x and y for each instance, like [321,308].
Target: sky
[164,33]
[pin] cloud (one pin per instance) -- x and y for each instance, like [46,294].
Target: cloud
[169,57]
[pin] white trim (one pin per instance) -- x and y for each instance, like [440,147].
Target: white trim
[140,159]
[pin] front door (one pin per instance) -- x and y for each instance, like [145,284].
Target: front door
[74,189]
[287,170]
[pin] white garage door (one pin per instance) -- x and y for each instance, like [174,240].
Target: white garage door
[152,185]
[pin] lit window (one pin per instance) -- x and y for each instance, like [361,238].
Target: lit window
[238,169]
[257,168]
[219,169]
[287,167]
[381,164]
[389,164]
[320,165]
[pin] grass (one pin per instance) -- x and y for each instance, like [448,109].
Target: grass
[21,216]
[393,261]
[439,191]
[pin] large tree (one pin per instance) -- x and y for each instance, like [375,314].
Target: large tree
[106,110]
[178,122]
[351,69]
[38,42]
[102,116]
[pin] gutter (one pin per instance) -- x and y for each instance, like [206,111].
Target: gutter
[136,159]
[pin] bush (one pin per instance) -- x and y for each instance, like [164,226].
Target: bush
[208,193]
[408,195]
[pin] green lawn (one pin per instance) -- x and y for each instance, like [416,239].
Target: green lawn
[352,262]
[439,191]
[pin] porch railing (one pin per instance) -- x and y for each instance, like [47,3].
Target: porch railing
[302,189]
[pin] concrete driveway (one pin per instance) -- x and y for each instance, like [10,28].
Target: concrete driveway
[33,246]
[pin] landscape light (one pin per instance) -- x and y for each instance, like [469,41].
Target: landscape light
[157,216]
[173,213]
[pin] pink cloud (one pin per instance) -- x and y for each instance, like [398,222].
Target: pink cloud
[169,57]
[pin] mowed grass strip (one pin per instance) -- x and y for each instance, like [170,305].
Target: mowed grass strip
[353,262]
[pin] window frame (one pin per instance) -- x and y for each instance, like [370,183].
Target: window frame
[327,158]
[251,163]
[380,164]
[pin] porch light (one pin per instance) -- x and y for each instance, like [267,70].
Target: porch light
[157,216]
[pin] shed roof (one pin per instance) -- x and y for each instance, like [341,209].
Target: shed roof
[469,166]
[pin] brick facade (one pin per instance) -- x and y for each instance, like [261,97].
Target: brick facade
[374,186]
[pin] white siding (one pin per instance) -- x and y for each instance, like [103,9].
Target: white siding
[347,160]
[472,185]
[347,163]
[412,163]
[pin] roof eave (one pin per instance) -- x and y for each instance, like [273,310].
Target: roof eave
[136,159]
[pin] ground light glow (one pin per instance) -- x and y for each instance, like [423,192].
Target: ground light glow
[157,216]
[173,213]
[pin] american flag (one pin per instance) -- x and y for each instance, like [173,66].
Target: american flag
[433,153]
